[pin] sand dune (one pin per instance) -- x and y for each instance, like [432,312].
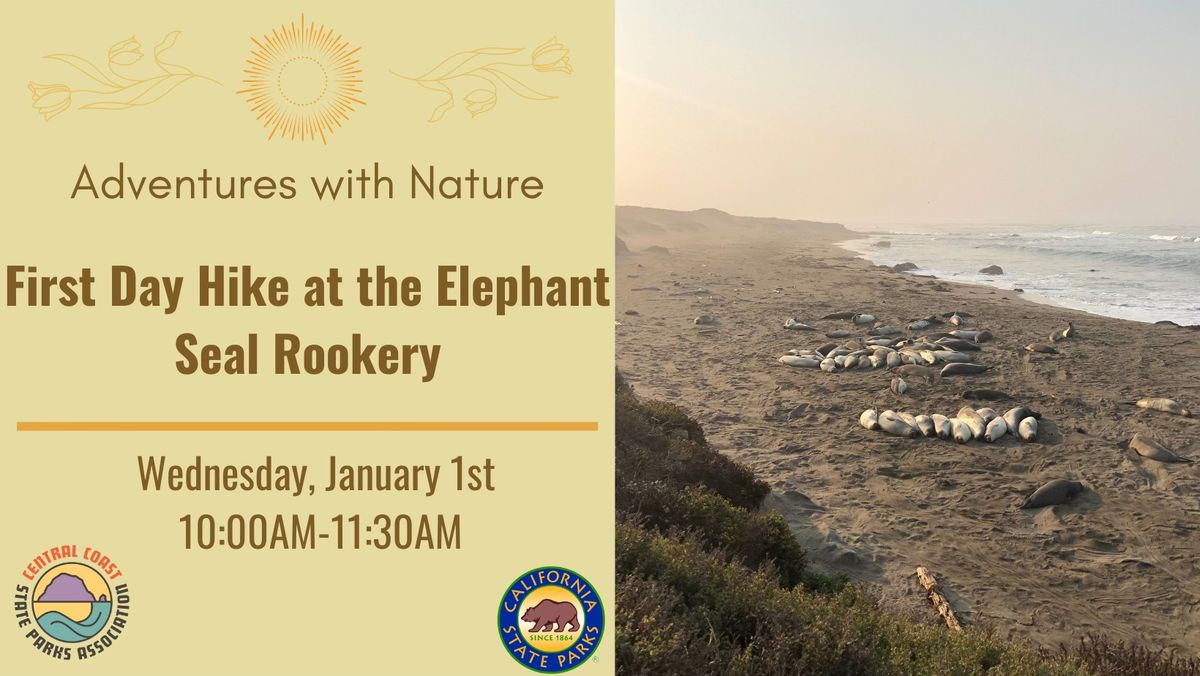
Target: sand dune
[1123,558]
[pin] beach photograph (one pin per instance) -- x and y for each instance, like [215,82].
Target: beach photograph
[908,338]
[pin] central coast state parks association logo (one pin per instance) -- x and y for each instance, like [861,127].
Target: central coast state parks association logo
[551,619]
[71,602]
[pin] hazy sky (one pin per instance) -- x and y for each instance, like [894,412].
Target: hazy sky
[1008,111]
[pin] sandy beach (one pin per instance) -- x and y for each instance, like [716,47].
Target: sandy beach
[1121,559]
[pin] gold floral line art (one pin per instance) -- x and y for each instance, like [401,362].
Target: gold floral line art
[118,85]
[476,77]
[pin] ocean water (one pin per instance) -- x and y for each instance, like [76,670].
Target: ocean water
[65,629]
[1143,274]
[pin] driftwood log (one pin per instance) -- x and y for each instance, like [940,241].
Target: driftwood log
[937,599]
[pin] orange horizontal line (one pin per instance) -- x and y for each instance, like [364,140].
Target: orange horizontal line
[285,426]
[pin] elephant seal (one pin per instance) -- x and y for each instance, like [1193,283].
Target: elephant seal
[863,319]
[929,357]
[1041,348]
[959,369]
[958,320]
[884,331]
[793,324]
[828,365]
[1028,429]
[983,336]
[894,360]
[941,425]
[892,424]
[908,418]
[825,349]
[925,426]
[850,362]
[988,414]
[840,315]
[869,419]
[996,428]
[1164,405]
[919,324]
[1149,448]
[921,356]
[986,395]
[1015,415]
[1069,332]
[959,344]
[972,420]
[961,431]
[952,356]
[917,371]
[1053,493]
[840,333]
[805,362]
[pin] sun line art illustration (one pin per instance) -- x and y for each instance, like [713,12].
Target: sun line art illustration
[122,81]
[302,81]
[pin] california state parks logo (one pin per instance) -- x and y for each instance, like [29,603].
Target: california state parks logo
[71,602]
[551,619]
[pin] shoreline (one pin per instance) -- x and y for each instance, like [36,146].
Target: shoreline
[1032,297]
[874,506]
[1002,282]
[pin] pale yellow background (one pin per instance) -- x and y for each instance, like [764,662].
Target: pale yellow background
[323,611]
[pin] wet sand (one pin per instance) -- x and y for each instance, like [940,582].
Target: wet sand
[1122,559]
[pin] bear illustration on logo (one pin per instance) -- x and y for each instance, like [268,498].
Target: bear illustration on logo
[551,619]
[551,615]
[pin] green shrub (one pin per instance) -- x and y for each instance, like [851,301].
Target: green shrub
[684,610]
[658,442]
[753,538]
[1102,657]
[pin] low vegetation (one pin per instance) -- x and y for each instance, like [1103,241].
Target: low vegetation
[707,583]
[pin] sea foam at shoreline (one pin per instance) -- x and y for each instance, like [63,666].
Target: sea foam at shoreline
[1141,274]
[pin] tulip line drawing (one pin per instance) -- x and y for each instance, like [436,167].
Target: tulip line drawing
[482,74]
[117,85]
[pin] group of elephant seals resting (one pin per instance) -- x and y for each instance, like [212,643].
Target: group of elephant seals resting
[907,358]
[968,424]
[990,426]
[884,348]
